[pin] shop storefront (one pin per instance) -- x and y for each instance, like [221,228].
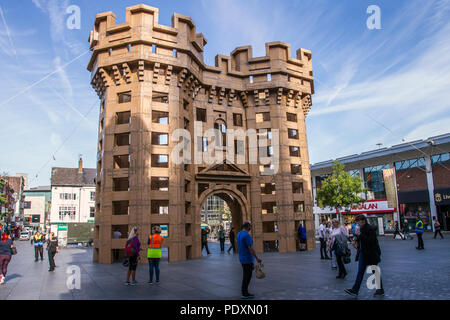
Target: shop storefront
[378,214]
[442,200]
[413,204]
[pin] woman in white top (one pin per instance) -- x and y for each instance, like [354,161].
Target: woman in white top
[338,244]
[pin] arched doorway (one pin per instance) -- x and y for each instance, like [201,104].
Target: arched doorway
[236,203]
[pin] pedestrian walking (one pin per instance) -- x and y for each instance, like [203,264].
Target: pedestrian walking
[301,234]
[231,236]
[132,249]
[205,233]
[322,239]
[369,254]
[437,228]
[6,245]
[328,231]
[221,234]
[155,242]
[338,245]
[52,248]
[405,230]
[246,257]
[397,230]
[38,240]
[419,233]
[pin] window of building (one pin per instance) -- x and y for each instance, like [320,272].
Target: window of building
[160,160]
[296,169]
[262,116]
[68,196]
[268,207]
[269,77]
[186,185]
[122,139]
[153,48]
[201,114]
[408,164]
[122,161]
[92,196]
[292,117]
[174,53]
[440,159]
[186,124]
[299,206]
[267,188]
[160,117]
[27,205]
[293,133]
[250,78]
[123,117]
[374,182]
[237,119]
[120,207]
[67,213]
[160,183]
[185,105]
[160,139]
[297,187]
[222,131]
[160,207]
[124,97]
[120,184]
[294,151]
[160,97]
[92,212]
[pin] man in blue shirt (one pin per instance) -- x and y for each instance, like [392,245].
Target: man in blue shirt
[246,254]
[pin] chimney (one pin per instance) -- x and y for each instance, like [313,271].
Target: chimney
[80,165]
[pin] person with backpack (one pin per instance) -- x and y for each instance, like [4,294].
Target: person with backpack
[301,234]
[437,228]
[132,249]
[6,245]
[369,254]
[338,244]
[155,242]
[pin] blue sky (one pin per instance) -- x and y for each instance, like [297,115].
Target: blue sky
[372,86]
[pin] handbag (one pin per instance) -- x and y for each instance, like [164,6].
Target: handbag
[259,271]
[13,250]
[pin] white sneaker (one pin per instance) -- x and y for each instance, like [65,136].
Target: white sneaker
[2,280]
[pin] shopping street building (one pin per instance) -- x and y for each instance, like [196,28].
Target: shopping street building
[419,171]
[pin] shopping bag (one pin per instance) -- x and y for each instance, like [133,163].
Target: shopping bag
[259,271]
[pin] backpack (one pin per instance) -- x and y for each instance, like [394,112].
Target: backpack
[130,250]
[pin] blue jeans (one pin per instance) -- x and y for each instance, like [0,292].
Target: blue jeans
[153,263]
[362,266]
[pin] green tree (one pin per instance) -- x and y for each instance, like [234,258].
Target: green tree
[340,190]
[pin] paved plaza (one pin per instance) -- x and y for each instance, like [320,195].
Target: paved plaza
[407,274]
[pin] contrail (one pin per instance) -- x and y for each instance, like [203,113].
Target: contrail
[42,79]
[8,33]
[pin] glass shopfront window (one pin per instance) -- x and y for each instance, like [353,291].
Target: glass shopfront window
[410,211]
[374,183]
